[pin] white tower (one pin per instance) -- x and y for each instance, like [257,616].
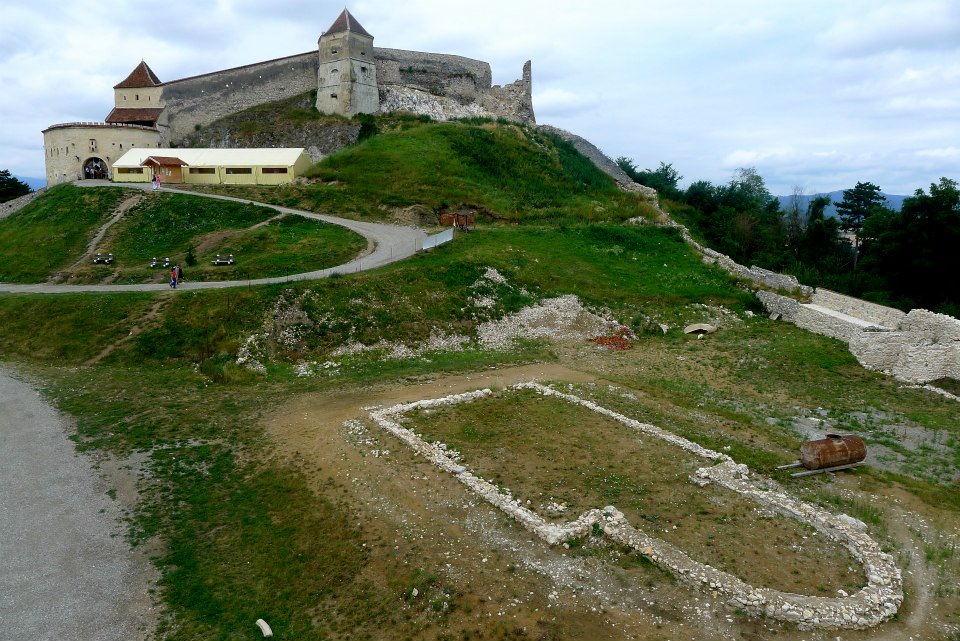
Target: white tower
[347,74]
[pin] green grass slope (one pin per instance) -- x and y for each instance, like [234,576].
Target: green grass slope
[52,232]
[509,172]
[48,238]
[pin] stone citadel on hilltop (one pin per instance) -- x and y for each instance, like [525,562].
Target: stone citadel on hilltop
[349,74]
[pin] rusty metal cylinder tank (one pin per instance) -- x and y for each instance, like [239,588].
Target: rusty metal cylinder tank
[832,451]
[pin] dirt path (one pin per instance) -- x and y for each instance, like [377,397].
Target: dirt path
[68,572]
[143,323]
[213,239]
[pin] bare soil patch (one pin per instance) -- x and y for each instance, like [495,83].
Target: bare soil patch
[499,582]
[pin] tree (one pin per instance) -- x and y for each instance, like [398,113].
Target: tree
[628,166]
[857,205]
[913,253]
[794,219]
[664,178]
[11,187]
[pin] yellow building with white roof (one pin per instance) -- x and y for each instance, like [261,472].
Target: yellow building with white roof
[267,166]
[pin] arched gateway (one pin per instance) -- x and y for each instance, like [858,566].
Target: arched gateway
[95,169]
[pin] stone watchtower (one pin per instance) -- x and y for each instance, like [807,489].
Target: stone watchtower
[347,74]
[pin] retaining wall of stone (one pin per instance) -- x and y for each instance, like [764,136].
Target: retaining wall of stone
[876,602]
[877,314]
[15,205]
[922,346]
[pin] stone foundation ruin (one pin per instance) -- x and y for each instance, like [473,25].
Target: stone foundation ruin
[878,601]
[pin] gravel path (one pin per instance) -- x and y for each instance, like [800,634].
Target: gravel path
[391,243]
[66,571]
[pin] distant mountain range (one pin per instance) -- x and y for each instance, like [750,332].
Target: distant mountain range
[35,183]
[893,201]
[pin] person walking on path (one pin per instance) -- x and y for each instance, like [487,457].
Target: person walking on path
[179,271]
[173,278]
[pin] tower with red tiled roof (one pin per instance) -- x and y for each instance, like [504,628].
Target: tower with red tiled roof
[347,71]
[138,98]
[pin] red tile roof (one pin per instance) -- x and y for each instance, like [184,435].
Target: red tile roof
[142,76]
[164,161]
[134,115]
[346,22]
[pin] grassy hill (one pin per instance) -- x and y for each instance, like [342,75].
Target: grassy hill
[266,493]
[508,172]
[48,239]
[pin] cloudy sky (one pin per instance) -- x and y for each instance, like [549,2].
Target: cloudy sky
[813,93]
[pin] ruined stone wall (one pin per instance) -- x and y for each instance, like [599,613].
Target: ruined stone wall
[15,205]
[460,79]
[200,100]
[922,346]
[841,327]
[874,603]
[513,101]
[925,348]
[878,314]
[446,87]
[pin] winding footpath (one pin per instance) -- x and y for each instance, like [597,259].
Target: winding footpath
[391,243]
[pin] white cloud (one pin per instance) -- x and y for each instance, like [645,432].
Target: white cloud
[890,25]
[946,153]
[554,102]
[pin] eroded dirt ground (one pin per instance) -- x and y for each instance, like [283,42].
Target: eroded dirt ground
[484,576]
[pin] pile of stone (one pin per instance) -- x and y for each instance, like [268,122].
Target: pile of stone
[560,318]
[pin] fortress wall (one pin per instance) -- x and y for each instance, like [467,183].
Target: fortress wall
[202,99]
[513,101]
[877,314]
[15,205]
[456,77]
